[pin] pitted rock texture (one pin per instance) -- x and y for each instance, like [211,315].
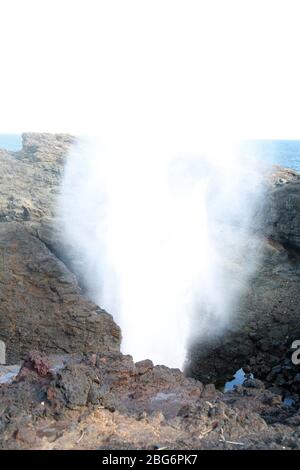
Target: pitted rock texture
[267,320]
[282,211]
[103,399]
[30,178]
[41,304]
[106,401]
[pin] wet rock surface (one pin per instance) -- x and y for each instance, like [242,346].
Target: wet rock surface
[105,401]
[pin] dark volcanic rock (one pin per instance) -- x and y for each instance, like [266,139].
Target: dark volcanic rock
[105,401]
[101,399]
[41,305]
[282,211]
[267,319]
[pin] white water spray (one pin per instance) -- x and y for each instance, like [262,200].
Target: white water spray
[160,238]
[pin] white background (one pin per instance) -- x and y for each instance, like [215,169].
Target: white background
[90,66]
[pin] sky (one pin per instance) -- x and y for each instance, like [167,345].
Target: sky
[141,66]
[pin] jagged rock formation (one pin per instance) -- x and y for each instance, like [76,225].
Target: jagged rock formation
[41,304]
[264,323]
[91,396]
[282,213]
[267,320]
[105,401]
[30,178]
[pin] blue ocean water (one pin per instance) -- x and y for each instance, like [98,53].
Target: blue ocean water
[285,153]
[11,142]
[282,152]
[238,379]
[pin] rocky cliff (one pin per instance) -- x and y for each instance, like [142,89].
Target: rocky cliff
[79,391]
[41,304]
[267,320]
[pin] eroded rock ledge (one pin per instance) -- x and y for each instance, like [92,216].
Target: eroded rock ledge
[41,304]
[105,401]
[267,320]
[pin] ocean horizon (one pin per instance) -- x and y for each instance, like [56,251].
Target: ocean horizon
[285,153]
[12,142]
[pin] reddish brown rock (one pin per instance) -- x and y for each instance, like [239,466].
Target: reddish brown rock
[111,403]
[42,306]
